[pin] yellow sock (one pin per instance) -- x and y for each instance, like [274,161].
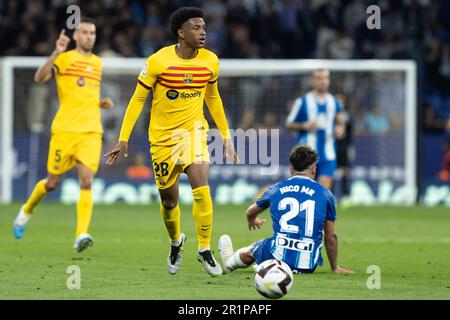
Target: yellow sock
[202,210]
[172,221]
[36,196]
[84,211]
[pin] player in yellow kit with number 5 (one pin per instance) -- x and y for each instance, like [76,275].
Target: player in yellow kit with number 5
[182,77]
[76,133]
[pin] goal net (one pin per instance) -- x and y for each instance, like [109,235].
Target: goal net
[379,96]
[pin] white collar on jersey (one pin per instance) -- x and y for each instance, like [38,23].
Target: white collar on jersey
[301,177]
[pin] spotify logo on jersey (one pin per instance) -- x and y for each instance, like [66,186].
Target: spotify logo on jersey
[172,94]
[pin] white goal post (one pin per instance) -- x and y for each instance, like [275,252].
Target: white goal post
[229,68]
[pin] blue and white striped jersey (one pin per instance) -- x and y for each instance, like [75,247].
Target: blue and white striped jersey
[306,109]
[299,207]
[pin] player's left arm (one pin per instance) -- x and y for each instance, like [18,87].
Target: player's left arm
[331,238]
[132,113]
[215,107]
[339,129]
[145,83]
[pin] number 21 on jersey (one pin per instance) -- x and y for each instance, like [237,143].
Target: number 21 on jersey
[294,210]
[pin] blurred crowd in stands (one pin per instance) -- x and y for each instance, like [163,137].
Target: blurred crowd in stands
[329,29]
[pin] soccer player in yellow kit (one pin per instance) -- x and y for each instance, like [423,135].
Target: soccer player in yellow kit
[182,77]
[76,133]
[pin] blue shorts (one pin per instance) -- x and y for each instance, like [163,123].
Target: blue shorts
[261,251]
[326,168]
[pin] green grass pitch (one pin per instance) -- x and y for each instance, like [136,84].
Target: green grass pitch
[411,246]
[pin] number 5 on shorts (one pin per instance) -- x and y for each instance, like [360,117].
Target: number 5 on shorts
[57,155]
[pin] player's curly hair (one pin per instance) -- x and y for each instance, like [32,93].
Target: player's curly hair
[302,157]
[180,16]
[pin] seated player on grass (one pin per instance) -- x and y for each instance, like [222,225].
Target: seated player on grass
[301,209]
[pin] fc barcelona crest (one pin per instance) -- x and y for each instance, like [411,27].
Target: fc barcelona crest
[188,77]
[81,82]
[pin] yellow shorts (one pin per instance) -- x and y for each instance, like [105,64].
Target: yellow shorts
[170,161]
[68,148]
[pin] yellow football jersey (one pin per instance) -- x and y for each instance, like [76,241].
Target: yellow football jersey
[179,87]
[78,83]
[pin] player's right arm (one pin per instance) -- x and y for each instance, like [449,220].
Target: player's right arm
[45,71]
[252,217]
[261,204]
[146,81]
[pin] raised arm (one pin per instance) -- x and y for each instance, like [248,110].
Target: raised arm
[45,71]
[134,109]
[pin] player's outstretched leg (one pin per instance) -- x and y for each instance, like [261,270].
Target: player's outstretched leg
[20,223]
[226,251]
[175,258]
[82,242]
[39,192]
[231,260]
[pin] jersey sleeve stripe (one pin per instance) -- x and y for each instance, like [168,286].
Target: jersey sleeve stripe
[212,81]
[57,68]
[144,85]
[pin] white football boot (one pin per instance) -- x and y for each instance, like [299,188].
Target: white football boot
[226,251]
[175,258]
[20,223]
[212,267]
[83,241]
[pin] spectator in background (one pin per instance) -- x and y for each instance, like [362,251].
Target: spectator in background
[274,99]
[376,121]
[444,175]
[432,123]
[250,91]
[354,14]
[152,40]
[418,29]
[154,17]
[341,46]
